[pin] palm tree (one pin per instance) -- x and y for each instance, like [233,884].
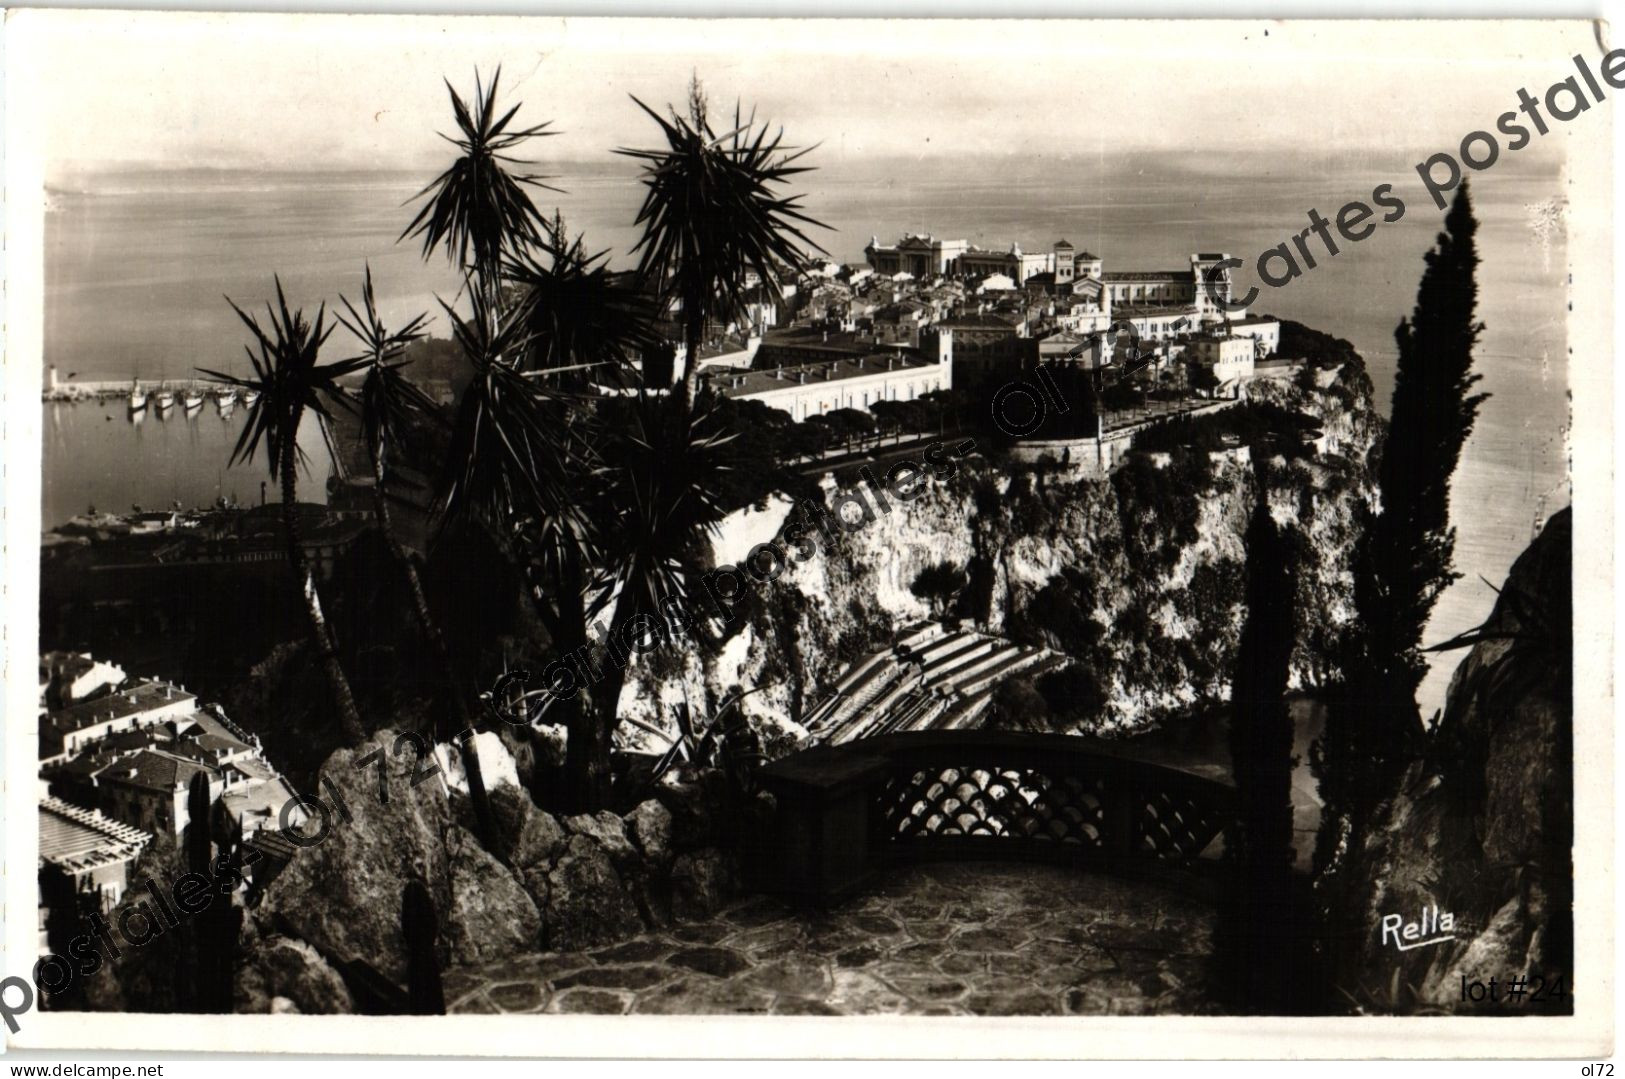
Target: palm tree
[389,402]
[290,382]
[508,469]
[662,466]
[711,219]
[575,314]
[477,209]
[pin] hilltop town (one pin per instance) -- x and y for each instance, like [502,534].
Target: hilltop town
[926,315]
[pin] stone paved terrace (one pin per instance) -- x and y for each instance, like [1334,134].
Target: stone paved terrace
[947,939]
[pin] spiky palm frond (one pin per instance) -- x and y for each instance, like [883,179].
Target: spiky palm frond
[662,468]
[287,377]
[514,455]
[711,215]
[477,209]
[388,398]
[574,312]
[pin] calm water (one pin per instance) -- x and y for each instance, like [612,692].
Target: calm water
[137,265]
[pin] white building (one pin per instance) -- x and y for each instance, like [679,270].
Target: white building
[1265,332]
[814,389]
[1230,358]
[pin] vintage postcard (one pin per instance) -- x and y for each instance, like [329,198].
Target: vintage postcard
[898,538]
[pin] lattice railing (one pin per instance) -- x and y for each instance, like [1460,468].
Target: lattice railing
[1129,810]
[846,811]
[1017,802]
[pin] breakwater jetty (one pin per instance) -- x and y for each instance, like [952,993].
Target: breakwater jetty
[59,389]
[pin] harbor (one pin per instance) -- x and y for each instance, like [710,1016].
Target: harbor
[139,392]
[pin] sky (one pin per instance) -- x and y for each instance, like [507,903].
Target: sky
[345,92]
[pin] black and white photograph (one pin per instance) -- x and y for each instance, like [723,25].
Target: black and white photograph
[825,522]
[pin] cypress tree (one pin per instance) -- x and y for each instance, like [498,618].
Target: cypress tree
[1257,944]
[1404,560]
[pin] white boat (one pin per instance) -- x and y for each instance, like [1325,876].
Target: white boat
[250,398]
[165,398]
[225,404]
[192,400]
[138,397]
[225,395]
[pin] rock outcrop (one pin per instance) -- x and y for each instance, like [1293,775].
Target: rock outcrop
[1483,830]
[1138,575]
[554,883]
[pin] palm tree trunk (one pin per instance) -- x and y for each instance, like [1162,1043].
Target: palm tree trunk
[484,818]
[695,330]
[321,633]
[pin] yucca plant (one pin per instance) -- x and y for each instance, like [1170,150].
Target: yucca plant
[478,209]
[578,318]
[712,217]
[290,382]
[659,472]
[390,402]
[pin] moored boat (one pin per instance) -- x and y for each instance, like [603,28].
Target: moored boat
[138,397]
[166,399]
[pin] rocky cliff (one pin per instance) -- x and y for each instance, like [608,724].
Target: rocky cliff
[1137,576]
[1482,829]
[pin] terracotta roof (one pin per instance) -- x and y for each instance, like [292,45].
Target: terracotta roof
[155,770]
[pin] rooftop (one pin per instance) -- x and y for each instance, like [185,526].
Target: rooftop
[131,701]
[833,342]
[156,770]
[746,383]
[977,322]
[1121,276]
[77,840]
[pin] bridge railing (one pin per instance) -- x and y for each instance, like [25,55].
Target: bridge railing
[847,813]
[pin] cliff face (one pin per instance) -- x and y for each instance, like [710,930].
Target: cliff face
[1138,576]
[1483,829]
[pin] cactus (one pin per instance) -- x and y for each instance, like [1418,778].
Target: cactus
[420,926]
[209,947]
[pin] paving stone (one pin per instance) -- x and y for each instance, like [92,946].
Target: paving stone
[757,912]
[719,962]
[639,950]
[876,924]
[951,939]
[963,963]
[928,988]
[699,995]
[920,952]
[803,1006]
[990,940]
[856,992]
[517,996]
[801,976]
[701,932]
[590,1002]
[762,937]
[1116,937]
[1021,1002]
[474,1004]
[861,956]
[632,977]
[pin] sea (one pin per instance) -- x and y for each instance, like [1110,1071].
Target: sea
[140,262]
